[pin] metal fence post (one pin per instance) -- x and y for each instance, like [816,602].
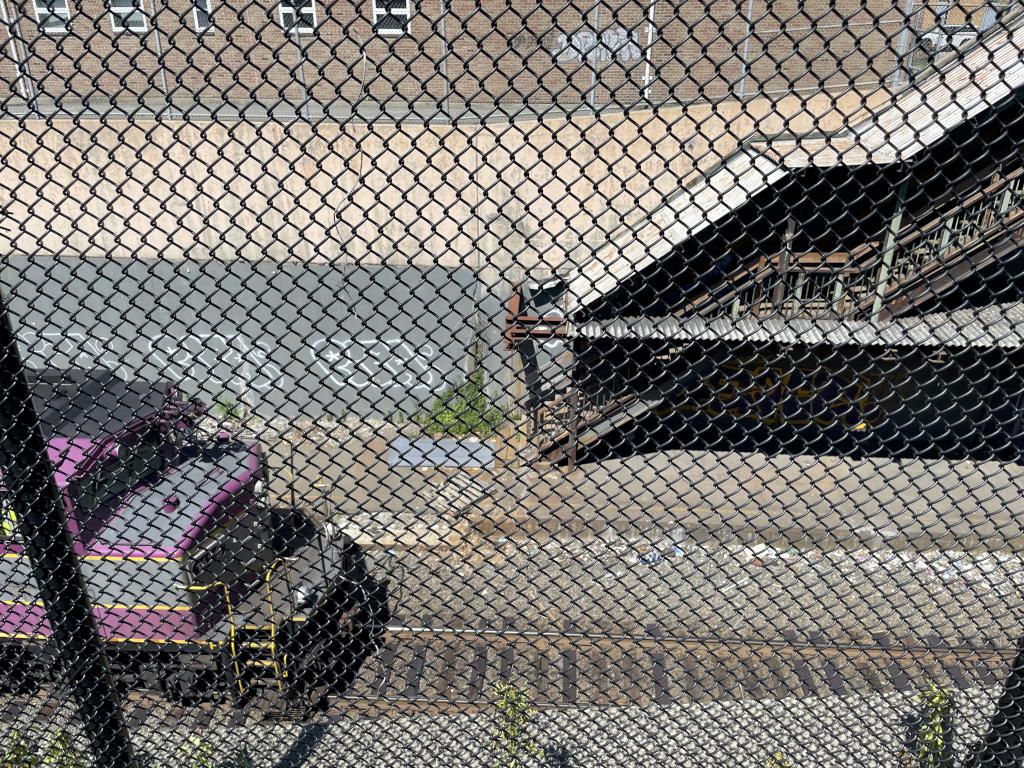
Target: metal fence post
[47,542]
[1003,745]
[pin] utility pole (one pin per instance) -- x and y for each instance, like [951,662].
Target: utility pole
[302,65]
[36,500]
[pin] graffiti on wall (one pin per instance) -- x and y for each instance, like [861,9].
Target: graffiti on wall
[776,396]
[352,339]
[612,44]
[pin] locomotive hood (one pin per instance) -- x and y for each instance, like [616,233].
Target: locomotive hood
[207,486]
[131,488]
[67,455]
[96,404]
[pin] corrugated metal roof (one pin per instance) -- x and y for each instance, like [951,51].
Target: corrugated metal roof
[919,115]
[996,326]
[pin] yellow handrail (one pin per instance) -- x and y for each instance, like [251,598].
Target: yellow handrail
[279,674]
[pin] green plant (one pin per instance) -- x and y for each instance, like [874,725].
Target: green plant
[935,737]
[229,408]
[511,739]
[18,752]
[61,752]
[778,760]
[462,410]
[200,754]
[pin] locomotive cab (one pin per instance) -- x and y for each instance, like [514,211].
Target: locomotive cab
[197,583]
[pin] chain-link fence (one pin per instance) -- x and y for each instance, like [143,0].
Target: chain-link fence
[502,384]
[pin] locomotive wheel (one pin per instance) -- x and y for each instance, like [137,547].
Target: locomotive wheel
[174,685]
[20,671]
[188,682]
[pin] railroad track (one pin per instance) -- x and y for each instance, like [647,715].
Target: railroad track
[421,668]
[444,671]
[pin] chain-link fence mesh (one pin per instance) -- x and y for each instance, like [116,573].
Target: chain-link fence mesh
[502,384]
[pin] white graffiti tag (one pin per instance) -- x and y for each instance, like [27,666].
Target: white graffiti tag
[70,349]
[380,363]
[225,363]
[613,43]
[231,362]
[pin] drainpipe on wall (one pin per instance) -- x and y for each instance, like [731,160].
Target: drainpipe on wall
[647,51]
[302,69]
[592,55]
[741,89]
[162,64]
[441,28]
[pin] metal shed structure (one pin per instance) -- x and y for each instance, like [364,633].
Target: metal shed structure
[879,243]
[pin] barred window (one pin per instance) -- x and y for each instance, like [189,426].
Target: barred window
[120,472]
[202,15]
[298,16]
[391,17]
[53,16]
[127,15]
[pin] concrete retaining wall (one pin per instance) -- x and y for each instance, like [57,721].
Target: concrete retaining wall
[284,339]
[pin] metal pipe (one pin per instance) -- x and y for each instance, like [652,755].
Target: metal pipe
[442,30]
[302,67]
[592,55]
[875,24]
[25,85]
[403,631]
[38,505]
[651,12]
[161,64]
[741,87]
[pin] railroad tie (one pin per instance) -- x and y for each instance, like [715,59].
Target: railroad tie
[414,672]
[570,676]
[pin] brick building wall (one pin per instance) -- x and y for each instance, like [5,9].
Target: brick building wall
[458,52]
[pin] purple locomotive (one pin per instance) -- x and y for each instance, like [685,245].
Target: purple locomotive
[198,585]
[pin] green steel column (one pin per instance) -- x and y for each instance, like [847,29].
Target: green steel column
[888,253]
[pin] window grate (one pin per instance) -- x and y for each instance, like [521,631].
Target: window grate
[127,16]
[391,17]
